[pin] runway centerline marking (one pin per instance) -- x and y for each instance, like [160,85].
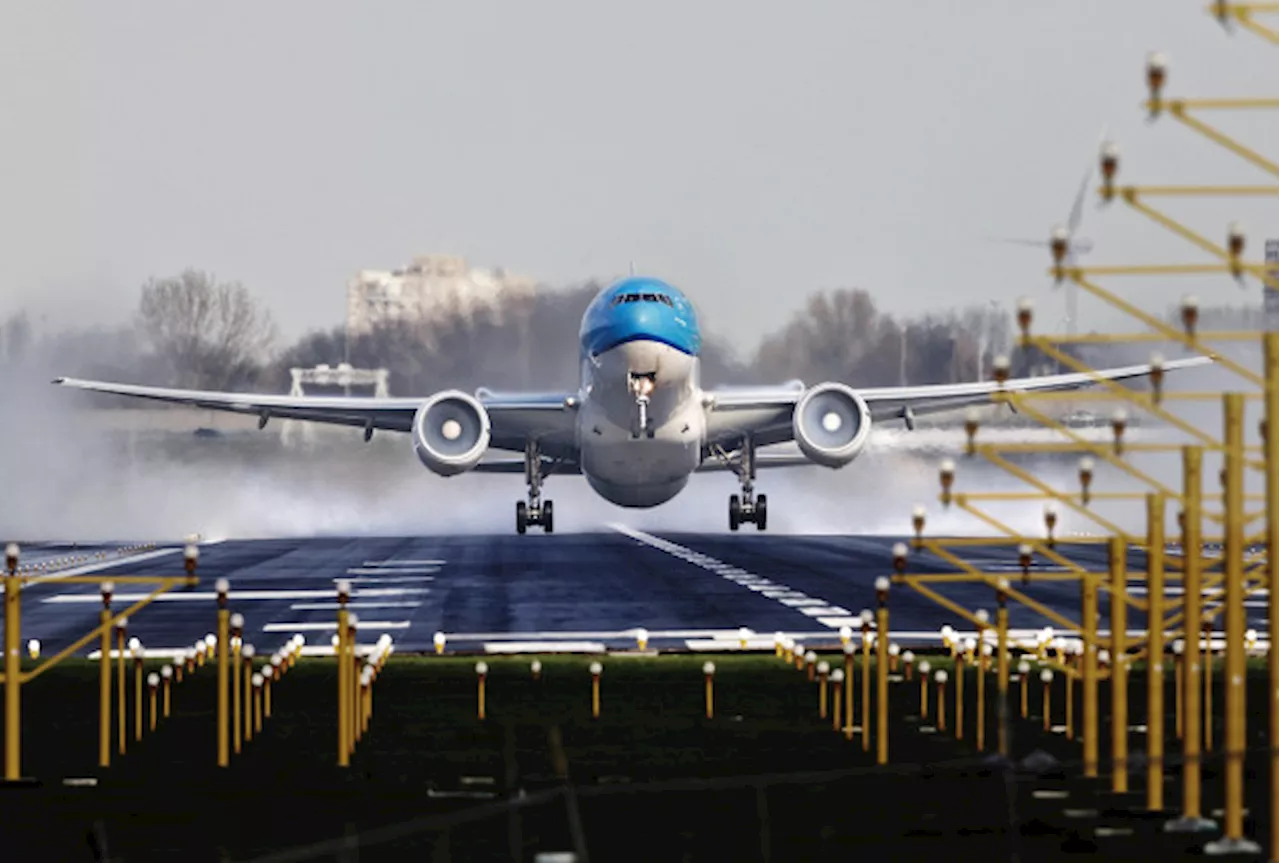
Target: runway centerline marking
[432,562]
[823,611]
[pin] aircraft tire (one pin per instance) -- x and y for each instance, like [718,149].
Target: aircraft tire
[548,518]
[735,511]
[522,517]
[762,511]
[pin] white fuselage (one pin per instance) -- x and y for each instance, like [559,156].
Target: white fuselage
[652,468]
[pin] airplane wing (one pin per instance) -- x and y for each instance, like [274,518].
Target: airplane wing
[765,413]
[516,417]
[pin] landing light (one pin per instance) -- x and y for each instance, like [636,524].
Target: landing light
[451,429]
[831,421]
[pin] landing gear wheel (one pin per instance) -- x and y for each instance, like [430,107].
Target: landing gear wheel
[547,522]
[735,511]
[522,517]
[762,511]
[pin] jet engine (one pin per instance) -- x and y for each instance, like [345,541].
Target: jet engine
[830,424]
[451,432]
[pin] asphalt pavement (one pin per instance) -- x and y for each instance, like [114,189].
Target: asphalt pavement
[535,593]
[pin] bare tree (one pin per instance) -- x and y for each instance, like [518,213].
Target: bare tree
[213,335]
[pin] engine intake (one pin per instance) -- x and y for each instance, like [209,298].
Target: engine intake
[451,433]
[830,424]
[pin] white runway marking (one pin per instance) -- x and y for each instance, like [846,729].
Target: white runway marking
[333,624]
[545,647]
[333,606]
[398,570]
[106,564]
[404,563]
[824,611]
[400,579]
[210,596]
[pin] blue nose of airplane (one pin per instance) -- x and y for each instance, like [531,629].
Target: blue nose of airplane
[641,310]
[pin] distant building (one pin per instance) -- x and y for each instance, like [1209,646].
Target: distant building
[430,285]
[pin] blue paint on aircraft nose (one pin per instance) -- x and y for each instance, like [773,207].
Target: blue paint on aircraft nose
[640,309]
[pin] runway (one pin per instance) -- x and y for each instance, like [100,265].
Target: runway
[587,592]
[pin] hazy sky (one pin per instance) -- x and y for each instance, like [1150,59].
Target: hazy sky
[747,153]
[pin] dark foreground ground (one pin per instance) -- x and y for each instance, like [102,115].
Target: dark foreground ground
[651,780]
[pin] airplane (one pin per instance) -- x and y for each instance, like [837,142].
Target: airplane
[640,424]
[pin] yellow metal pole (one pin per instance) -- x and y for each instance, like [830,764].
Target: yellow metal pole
[1069,698]
[152,693]
[1044,707]
[104,682]
[1179,676]
[353,694]
[1270,424]
[1119,668]
[1206,646]
[980,714]
[246,653]
[224,657]
[940,699]
[1234,665]
[822,690]
[165,696]
[837,681]
[12,673]
[137,695]
[866,691]
[1191,820]
[344,671]
[1155,651]
[924,690]
[1089,683]
[236,643]
[257,705]
[1002,672]
[1022,682]
[268,673]
[882,679]
[847,691]
[121,700]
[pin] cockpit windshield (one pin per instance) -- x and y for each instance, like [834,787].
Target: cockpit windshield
[642,298]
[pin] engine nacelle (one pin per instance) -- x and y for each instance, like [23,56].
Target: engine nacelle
[451,432]
[830,424]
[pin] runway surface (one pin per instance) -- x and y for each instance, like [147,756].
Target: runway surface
[565,592]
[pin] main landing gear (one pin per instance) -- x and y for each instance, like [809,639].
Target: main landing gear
[535,511]
[747,507]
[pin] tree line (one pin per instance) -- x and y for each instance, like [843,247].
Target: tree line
[192,330]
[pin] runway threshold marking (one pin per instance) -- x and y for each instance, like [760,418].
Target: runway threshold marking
[824,612]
